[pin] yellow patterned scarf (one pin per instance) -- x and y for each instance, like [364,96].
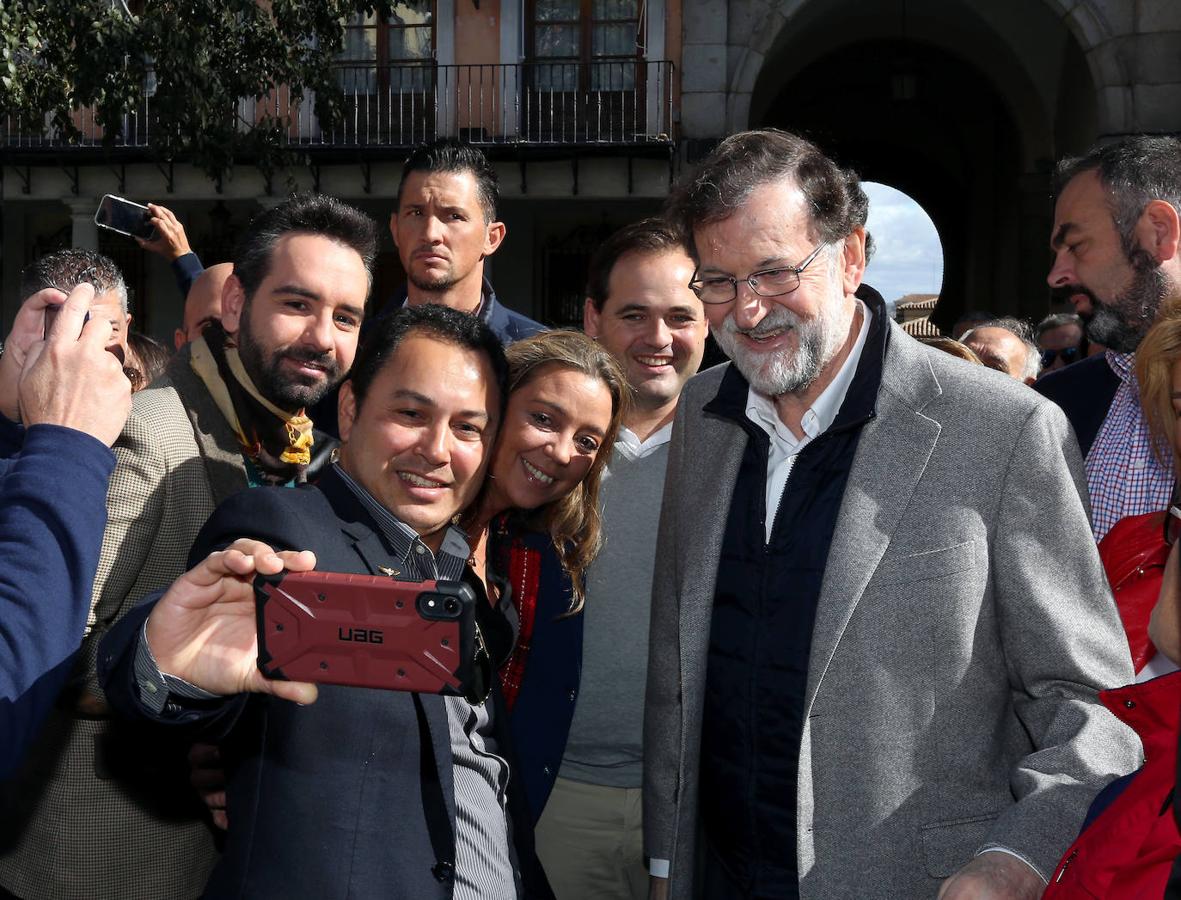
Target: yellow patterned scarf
[279,443]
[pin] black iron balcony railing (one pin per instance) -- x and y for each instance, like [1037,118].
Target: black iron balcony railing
[546,104]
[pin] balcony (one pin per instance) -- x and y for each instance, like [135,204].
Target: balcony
[625,105]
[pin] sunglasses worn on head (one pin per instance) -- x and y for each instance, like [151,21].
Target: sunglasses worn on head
[1068,354]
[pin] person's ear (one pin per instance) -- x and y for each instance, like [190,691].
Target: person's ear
[494,234]
[1159,230]
[590,318]
[233,300]
[853,260]
[346,410]
[179,338]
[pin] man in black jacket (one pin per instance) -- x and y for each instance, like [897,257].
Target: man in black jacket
[366,793]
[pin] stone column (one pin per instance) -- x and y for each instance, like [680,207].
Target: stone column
[83,231]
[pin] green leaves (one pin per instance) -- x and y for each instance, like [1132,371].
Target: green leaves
[200,76]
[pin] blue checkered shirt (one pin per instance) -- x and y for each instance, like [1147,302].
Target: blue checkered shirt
[1124,475]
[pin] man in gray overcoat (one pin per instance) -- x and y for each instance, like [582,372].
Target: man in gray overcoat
[879,624]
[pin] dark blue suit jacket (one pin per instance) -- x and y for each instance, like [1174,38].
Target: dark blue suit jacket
[53,510]
[324,801]
[545,702]
[1084,390]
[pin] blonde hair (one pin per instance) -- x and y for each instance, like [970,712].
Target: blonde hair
[573,522]
[1156,357]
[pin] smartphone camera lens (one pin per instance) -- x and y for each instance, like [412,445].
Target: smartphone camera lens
[451,606]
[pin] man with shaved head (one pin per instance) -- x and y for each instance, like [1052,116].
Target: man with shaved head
[203,303]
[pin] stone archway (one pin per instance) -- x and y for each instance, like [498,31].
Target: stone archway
[1105,33]
[963,104]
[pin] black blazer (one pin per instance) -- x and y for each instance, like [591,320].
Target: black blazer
[1084,390]
[329,800]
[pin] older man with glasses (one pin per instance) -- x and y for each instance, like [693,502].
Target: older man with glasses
[879,624]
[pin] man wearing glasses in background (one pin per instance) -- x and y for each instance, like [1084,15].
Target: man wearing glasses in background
[879,623]
[1061,340]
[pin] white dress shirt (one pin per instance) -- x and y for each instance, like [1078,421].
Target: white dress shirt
[817,419]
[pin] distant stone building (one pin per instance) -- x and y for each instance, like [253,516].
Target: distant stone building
[913,313]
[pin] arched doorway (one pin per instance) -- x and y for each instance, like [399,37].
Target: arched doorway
[907,258]
[964,105]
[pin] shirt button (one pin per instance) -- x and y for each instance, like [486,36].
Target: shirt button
[573,694]
[149,686]
[546,770]
[420,549]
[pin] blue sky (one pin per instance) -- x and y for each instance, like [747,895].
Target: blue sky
[908,258]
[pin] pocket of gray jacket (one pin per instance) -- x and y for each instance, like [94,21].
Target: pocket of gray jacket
[927,564]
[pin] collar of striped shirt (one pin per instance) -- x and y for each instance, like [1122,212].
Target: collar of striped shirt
[1121,363]
[418,563]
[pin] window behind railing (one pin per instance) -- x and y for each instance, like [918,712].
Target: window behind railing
[386,71]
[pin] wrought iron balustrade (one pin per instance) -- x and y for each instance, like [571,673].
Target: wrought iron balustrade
[542,104]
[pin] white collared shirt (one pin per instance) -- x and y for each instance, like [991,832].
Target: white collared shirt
[785,446]
[633,448]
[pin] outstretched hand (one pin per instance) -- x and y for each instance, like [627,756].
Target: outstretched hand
[204,629]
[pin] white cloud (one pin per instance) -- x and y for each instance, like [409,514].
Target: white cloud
[908,258]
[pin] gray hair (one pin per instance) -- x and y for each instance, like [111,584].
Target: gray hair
[725,179]
[66,269]
[1133,171]
[1058,320]
[1022,331]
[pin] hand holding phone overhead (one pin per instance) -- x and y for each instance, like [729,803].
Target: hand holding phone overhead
[124,217]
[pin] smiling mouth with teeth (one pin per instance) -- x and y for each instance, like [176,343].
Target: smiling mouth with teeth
[654,361]
[762,337]
[537,473]
[418,480]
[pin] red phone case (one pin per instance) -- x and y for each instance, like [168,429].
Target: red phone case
[366,631]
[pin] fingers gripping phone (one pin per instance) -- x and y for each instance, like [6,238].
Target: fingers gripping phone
[124,217]
[366,631]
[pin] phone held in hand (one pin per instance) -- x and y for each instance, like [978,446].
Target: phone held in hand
[124,217]
[367,631]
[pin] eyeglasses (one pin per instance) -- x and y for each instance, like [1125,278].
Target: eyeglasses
[766,282]
[1068,354]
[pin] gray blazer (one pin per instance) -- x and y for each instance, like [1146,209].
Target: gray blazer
[963,631]
[89,817]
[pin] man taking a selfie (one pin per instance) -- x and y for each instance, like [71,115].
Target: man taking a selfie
[365,793]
